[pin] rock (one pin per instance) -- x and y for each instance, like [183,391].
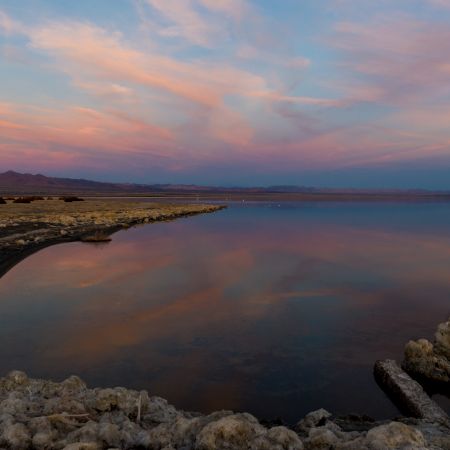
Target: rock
[159,411]
[83,446]
[321,438]
[14,404]
[74,384]
[355,444]
[407,393]
[18,377]
[421,360]
[16,436]
[133,436]
[395,435]
[313,419]
[277,438]
[442,340]
[430,361]
[44,415]
[229,433]
[437,437]
[110,434]
[43,440]
[355,422]
[105,400]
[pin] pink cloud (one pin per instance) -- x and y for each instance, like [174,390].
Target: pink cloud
[141,99]
[9,26]
[201,22]
[440,3]
[232,8]
[184,21]
[86,51]
[396,59]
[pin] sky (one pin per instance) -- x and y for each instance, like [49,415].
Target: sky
[336,93]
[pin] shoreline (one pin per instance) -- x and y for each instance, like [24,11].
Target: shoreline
[19,237]
[44,414]
[238,196]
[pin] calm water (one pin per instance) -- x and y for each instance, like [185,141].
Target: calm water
[272,309]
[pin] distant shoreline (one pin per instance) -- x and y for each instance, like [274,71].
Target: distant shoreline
[239,196]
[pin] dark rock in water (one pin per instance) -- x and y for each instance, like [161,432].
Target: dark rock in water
[97,237]
[355,422]
[407,393]
[430,361]
[2,201]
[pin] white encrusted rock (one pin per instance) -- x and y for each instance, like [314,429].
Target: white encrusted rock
[321,438]
[16,436]
[395,435]
[313,419]
[230,433]
[277,438]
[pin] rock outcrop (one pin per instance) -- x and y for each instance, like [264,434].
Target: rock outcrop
[40,414]
[430,361]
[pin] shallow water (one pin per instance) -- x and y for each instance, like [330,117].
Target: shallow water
[275,309]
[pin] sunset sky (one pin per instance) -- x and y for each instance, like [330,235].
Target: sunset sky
[339,93]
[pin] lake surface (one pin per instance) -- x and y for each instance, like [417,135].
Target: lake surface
[275,309]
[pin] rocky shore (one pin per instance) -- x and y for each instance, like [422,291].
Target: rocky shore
[430,361]
[40,414]
[26,228]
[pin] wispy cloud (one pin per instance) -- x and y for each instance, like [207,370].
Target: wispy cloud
[401,59]
[231,83]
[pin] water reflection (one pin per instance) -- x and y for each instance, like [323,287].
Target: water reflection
[275,310]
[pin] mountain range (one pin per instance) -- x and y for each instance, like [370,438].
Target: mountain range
[24,183]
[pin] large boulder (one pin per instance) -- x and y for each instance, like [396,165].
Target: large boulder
[233,432]
[427,360]
[243,431]
[395,435]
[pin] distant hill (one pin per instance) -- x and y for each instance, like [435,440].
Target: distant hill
[13,182]
[24,183]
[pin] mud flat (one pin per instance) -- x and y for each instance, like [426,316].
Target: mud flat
[26,228]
